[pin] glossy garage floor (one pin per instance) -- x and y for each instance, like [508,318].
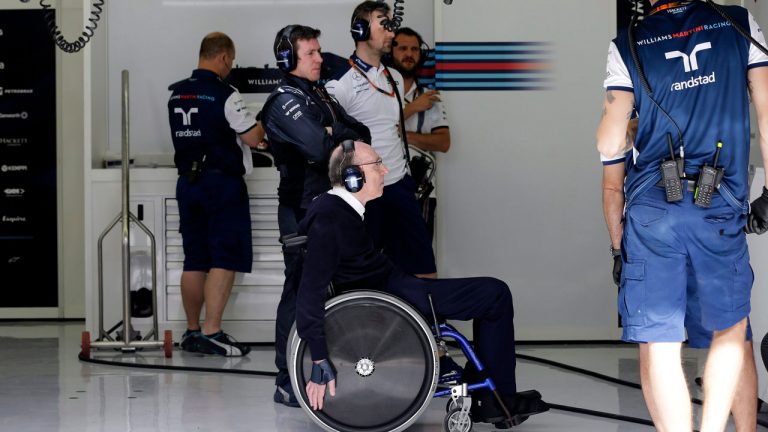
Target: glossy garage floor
[44,387]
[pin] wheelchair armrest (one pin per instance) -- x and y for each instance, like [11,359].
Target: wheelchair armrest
[293,240]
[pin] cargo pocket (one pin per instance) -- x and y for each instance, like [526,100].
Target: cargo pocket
[742,283]
[720,218]
[633,292]
[645,214]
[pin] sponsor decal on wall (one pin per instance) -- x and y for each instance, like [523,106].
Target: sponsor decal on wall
[481,66]
[28,222]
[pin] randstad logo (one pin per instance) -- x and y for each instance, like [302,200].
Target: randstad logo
[13,168]
[690,64]
[188,133]
[694,82]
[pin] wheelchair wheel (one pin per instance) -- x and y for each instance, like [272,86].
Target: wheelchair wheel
[455,422]
[386,363]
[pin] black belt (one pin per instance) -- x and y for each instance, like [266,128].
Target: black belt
[691,183]
[207,170]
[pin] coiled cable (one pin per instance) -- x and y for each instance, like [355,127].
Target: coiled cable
[88,32]
[398,12]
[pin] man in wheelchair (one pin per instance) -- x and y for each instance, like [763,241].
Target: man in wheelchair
[339,251]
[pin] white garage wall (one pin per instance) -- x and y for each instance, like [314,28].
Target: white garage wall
[157,41]
[520,195]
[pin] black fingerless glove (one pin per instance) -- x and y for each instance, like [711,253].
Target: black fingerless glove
[323,372]
[757,220]
[617,270]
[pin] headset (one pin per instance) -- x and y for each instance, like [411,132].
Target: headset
[352,176]
[284,52]
[360,29]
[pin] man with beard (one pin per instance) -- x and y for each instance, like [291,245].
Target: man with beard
[425,120]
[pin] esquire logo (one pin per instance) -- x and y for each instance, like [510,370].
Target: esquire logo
[691,64]
[13,219]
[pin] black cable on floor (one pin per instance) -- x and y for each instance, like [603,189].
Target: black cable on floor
[601,377]
[176,368]
[600,414]
[548,362]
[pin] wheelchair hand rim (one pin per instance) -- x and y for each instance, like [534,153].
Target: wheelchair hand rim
[296,348]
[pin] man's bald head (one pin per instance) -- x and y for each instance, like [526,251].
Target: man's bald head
[339,162]
[214,44]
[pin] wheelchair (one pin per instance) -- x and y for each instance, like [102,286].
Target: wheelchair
[387,367]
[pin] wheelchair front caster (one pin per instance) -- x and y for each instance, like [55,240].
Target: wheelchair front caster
[457,403]
[457,420]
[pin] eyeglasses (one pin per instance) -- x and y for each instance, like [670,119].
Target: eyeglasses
[378,162]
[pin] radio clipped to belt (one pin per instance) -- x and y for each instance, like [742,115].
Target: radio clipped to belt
[194,174]
[673,173]
[709,180]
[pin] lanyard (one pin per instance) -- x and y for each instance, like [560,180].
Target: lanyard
[386,72]
[326,100]
[668,6]
[421,114]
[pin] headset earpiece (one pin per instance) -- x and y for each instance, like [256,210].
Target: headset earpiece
[285,55]
[360,29]
[353,178]
[424,49]
[352,175]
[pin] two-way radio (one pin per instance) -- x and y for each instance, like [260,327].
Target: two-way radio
[672,173]
[709,180]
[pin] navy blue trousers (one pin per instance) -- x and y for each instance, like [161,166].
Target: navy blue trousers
[485,300]
[288,219]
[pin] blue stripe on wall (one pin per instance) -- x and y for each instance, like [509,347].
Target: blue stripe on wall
[477,55]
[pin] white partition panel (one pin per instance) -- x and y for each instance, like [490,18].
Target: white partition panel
[520,194]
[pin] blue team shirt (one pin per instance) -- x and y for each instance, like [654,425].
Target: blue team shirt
[206,115]
[696,64]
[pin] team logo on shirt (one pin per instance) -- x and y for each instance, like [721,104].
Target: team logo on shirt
[186,120]
[691,64]
[186,116]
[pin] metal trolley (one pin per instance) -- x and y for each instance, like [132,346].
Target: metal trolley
[105,338]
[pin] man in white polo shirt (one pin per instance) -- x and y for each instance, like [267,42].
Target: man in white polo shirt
[370,92]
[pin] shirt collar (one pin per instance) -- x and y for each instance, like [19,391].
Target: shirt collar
[300,82]
[349,199]
[365,67]
[204,73]
[663,2]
